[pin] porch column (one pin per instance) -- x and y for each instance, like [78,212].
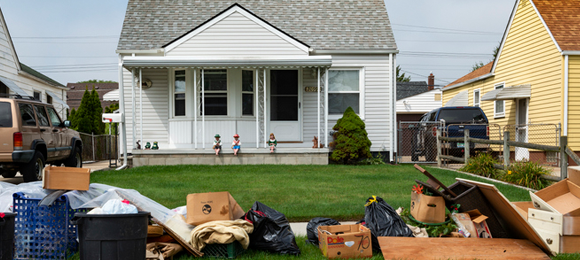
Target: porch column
[326,108]
[141,104]
[257,110]
[266,136]
[195,113]
[133,107]
[203,108]
[318,106]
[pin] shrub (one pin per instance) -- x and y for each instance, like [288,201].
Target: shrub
[528,174]
[482,164]
[351,143]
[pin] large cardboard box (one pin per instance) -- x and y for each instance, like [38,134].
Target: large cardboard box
[211,206]
[66,178]
[428,209]
[345,241]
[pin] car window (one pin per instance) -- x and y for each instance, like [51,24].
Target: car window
[27,115]
[42,117]
[6,115]
[432,116]
[462,115]
[54,119]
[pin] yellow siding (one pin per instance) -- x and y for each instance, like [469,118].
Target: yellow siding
[574,102]
[528,56]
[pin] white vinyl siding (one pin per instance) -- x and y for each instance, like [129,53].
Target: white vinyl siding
[236,35]
[421,103]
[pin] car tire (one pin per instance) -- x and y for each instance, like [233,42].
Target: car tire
[76,160]
[33,171]
[8,173]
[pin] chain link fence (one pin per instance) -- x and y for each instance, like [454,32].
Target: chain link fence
[99,147]
[417,142]
[542,134]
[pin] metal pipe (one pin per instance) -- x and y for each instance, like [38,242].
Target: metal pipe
[141,104]
[123,132]
[256,112]
[133,108]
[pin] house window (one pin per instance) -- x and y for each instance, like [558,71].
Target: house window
[48,99]
[37,95]
[437,97]
[179,93]
[343,91]
[216,92]
[476,98]
[499,107]
[247,93]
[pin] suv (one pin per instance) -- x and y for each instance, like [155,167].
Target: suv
[452,121]
[32,134]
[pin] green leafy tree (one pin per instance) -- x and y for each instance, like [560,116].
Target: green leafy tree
[96,113]
[83,115]
[351,143]
[110,109]
[72,119]
[401,76]
[480,64]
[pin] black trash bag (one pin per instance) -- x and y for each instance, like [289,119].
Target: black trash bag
[383,221]
[312,228]
[272,231]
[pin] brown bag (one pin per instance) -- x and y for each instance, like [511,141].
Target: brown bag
[162,251]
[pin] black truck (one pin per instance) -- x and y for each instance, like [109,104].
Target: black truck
[452,121]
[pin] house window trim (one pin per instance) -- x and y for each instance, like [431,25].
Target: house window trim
[478,104]
[172,97]
[34,91]
[361,91]
[495,113]
[242,92]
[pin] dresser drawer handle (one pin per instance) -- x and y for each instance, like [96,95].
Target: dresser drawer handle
[549,241]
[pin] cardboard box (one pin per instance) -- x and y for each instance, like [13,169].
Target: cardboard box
[66,178]
[428,209]
[478,220]
[211,206]
[345,241]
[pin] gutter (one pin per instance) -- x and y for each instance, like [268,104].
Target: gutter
[570,53]
[152,51]
[468,81]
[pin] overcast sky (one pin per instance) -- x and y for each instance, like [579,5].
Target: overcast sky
[72,41]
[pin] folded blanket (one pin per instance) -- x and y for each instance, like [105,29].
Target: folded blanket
[221,232]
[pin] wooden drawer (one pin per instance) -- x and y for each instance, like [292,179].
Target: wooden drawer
[543,215]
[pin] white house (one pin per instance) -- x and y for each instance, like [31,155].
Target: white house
[253,68]
[19,79]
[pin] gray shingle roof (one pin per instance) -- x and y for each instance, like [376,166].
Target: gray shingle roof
[411,88]
[321,24]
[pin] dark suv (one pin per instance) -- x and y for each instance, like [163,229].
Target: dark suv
[452,121]
[32,134]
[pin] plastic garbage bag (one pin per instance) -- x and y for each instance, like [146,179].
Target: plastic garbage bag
[117,206]
[272,230]
[383,221]
[312,228]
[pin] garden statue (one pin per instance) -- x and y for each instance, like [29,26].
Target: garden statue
[272,142]
[147,146]
[155,146]
[217,144]
[236,144]
[138,144]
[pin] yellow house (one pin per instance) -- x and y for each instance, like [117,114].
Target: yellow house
[535,78]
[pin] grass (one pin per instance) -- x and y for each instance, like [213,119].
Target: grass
[300,192]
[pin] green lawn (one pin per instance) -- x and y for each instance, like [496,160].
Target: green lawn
[300,192]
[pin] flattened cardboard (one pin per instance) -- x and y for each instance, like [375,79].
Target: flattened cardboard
[212,206]
[345,241]
[428,209]
[519,225]
[479,223]
[66,178]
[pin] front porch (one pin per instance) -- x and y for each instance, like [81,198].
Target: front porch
[289,156]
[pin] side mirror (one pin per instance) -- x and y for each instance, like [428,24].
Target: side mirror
[66,123]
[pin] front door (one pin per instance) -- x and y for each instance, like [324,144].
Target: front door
[284,104]
[522,129]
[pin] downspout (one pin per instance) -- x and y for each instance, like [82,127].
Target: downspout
[133,104]
[257,110]
[391,143]
[123,133]
[141,104]
[318,110]
[566,80]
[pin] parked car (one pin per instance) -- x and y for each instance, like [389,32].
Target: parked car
[32,134]
[452,121]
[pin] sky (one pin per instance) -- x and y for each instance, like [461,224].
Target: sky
[72,41]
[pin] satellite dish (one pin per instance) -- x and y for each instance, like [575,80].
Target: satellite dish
[147,83]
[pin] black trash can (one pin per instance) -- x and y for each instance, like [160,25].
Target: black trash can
[7,236]
[112,236]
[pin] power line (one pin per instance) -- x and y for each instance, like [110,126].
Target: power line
[446,29]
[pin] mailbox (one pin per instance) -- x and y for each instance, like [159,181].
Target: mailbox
[113,118]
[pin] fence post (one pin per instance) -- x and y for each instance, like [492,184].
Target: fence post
[506,150]
[93,140]
[563,157]
[466,144]
[438,147]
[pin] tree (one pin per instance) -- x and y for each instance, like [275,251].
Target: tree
[97,81]
[96,113]
[72,120]
[480,64]
[87,119]
[401,77]
[351,142]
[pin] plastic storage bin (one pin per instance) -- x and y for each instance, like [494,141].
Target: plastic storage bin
[112,236]
[7,236]
[231,250]
[42,232]
[470,198]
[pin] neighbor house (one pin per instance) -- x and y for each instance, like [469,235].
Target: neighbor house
[535,77]
[192,69]
[17,79]
[77,90]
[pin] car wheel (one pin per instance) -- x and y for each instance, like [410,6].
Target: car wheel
[76,160]
[33,171]
[8,173]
